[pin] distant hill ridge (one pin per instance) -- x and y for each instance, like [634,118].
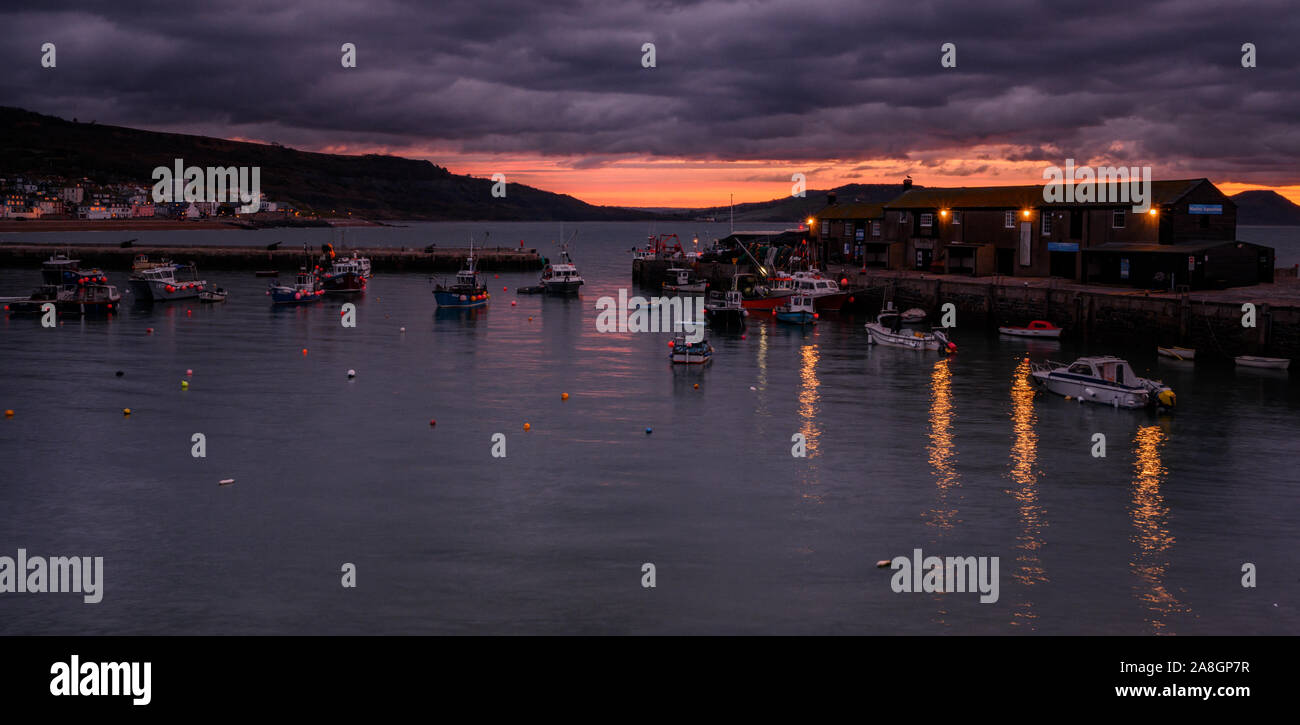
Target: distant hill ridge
[1266,207]
[370,186]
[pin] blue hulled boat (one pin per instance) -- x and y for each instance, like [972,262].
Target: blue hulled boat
[466,292]
[798,310]
[304,290]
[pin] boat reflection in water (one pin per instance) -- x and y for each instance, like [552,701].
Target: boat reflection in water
[942,451]
[1152,538]
[1024,473]
[809,405]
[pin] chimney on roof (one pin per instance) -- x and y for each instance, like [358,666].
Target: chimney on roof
[907,183]
[830,198]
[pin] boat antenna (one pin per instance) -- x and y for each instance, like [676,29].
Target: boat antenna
[733,213]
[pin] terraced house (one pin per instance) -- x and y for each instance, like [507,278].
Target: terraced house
[853,233]
[1187,239]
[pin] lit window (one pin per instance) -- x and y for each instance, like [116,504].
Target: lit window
[1009,219]
[875,229]
[927,220]
[1047,225]
[1117,219]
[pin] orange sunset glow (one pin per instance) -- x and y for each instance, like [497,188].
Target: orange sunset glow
[684,182]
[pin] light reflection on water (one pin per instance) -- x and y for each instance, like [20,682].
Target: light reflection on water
[1152,538]
[942,450]
[1024,472]
[809,400]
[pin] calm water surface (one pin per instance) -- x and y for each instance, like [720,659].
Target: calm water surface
[905,450]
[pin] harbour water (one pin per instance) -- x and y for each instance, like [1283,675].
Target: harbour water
[905,450]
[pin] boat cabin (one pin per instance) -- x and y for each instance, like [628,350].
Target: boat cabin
[1110,369]
[679,276]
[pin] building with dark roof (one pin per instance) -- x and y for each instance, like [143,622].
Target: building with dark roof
[1014,230]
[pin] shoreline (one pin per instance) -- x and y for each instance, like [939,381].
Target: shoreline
[257,258]
[39,226]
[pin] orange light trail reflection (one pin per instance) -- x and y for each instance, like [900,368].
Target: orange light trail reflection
[1152,537]
[942,451]
[1024,472]
[809,404]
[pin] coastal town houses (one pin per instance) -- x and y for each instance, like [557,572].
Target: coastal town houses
[1187,239]
[853,233]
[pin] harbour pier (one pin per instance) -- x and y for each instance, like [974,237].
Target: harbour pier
[282,258]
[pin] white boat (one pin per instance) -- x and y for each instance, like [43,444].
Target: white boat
[683,280]
[163,281]
[1037,328]
[888,330]
[826,293]
[561,278]
[1105,380]
[1255,361]
[1177,353]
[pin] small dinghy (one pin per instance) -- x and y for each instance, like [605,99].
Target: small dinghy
[1255,361]
[213,295]
[1105,380]
[1177,353]
[1037,328]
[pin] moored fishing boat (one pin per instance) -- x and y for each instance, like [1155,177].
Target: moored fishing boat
[561,278]
[797,310]
[70,289]
[725,308]
[164,281]
[466,292]
[304,290]
[685,352]
[766,294]
[824,291]
[888,330]
[1102,379]
[1036,328]
[344,275]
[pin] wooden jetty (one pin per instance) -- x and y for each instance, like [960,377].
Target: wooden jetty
[283,258]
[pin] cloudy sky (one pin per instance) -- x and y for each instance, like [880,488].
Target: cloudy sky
[553,93]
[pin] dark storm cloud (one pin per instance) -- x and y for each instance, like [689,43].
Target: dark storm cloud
[804,81]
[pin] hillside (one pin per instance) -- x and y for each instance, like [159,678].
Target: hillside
[1265,207]
[371,186]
